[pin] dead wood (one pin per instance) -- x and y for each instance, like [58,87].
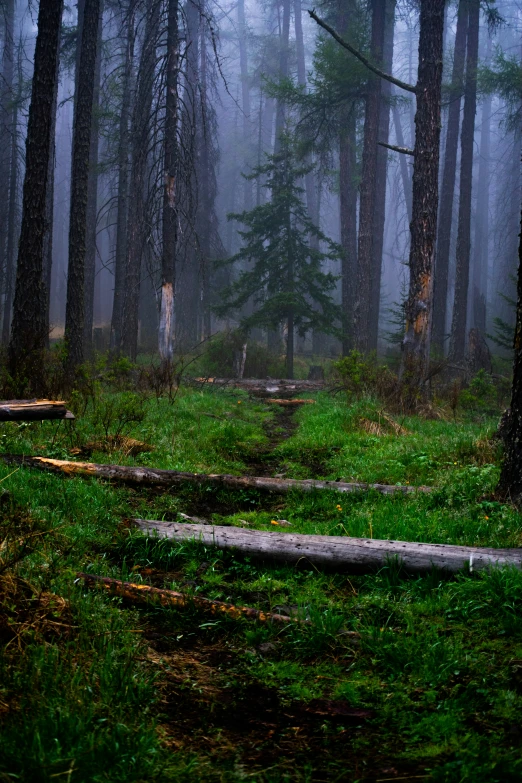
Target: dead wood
[171,478]
[338,552]
[33,410]
[260,387]
[144,593]
[276,401]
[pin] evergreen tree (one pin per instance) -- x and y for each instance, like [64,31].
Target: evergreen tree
[283,274]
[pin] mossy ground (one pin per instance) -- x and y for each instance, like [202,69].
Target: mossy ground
[430,689]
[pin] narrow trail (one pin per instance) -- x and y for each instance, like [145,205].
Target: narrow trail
[263,461]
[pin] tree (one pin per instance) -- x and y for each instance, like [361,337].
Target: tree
[170,205]
[460,305]
[30,328]
[510,483]
[447,193]
[284,279]
[415,345]
[82,128]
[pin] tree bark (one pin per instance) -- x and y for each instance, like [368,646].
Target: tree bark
[170,207]
[140,137]
[283,70]
[49,206]
[120,259]
[403,163]
[415,345]
[92,199]
[10,259]
[365,249]
[348,219]
[458,336]
[173,478]
[6,131]
[29,328]
[379,214]
[82,128]
[510,484]
[344,553]
[447,193]
[245,102]
[480,266]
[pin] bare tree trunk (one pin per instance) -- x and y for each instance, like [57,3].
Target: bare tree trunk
[415,346]
[140,136]
[29,328]
[348,217]
[480,266]
[310,186]
[75,308]
[245,100]
[206,196]
[170,208]
[368,183]
[123,186]
[510,484]
[92,199]
[11,232]
[379,214]
[49,207]
[460,306]
[440,281]
[6,130]
[403,163]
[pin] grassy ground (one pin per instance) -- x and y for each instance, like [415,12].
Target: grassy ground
[94,689]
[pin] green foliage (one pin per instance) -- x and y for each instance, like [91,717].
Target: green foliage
[283,276]
[362,375]
[482,394]
[505,80]
[116,414]
[219,357]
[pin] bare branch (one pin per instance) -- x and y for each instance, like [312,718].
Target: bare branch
[403,150]
[361,57]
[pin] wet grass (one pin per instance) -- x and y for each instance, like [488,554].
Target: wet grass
[392,677]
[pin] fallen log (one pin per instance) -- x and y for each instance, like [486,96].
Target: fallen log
[144,593]
[172,478]
[33,410]
[276,401]
[260,387]
[357,555]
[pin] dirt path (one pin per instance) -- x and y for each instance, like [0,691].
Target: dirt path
[263,461]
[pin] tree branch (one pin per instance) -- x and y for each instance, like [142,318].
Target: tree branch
[361,57]
[403,150]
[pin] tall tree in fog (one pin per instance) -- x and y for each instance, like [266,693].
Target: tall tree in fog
[460,306]
[379,210]
[7,129]
[92,197]
[415,345]
[29,328]
[82,128]
[170,206]
[120,260]
[140,131]
[245,97]
[284,39]
[440,281]
[368,183]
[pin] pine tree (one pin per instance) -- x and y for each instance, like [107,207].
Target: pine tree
[283,274]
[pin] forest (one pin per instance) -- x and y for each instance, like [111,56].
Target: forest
[261,391]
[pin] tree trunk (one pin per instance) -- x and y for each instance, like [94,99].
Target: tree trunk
[460,305]
[174,478]
[6,131]
[283,70]
[170,207]
[29,328]
[310,188]
[403,163]
[480,266]
[447,193]
[92,199]
[82,128]
[11,232]
[120,259]
[415,346]
[140,137]
[368,184]
[379,214]
[206,193]
[510,484]
[356,555]
[245,101]
[49,207]
[348,219]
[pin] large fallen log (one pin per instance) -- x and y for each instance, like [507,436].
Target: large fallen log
[144,593]
[342,553]
[260,387]
[33,410]
[173,478]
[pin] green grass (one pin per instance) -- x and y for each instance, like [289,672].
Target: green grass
[144,693]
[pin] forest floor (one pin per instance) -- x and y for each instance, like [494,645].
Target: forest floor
[95,689]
